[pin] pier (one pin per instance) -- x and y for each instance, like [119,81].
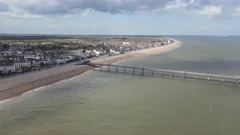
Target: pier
[166,73]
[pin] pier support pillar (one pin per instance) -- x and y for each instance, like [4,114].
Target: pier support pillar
[116,70]
[101,68]
[142,71]
[208,78]
[109,68]
[162,74]
[152,73]
[133,71]
[173,75]
[237,79]
[125,70]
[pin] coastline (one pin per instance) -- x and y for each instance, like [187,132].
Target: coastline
[15,86]
[139,53]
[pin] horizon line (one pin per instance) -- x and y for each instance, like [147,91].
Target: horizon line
[36,34]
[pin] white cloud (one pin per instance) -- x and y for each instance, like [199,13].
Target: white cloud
[15,12]
[64,7]
[52,25]
[204,28]
[19,15]
[4,22]
[87,11]
[226,28]
[179,4]
[236,11]
[57,25]
[40,8]
[211,11]
[208,29]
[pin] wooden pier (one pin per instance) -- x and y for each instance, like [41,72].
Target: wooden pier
[166,73]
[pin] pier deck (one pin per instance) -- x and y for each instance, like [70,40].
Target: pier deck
[166,73]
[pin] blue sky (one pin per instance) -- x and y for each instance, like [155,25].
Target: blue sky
[121,17]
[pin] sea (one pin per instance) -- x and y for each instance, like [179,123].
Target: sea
[99,103]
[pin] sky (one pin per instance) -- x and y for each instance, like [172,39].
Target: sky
[120,17]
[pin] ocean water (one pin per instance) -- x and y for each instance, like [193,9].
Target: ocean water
[98,103]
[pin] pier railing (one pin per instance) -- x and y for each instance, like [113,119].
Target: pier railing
[166,73]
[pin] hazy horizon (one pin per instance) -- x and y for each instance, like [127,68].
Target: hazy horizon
[62,34]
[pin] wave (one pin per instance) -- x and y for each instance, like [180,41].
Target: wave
[7,100]
[34,91]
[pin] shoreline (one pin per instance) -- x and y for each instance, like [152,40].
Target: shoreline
[140,53]
[17,85]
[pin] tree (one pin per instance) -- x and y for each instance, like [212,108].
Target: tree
[6,46]
[1,73]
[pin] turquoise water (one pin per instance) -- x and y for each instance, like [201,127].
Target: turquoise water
[98,103]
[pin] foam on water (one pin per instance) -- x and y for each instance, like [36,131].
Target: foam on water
[6,101]
[26,94]
[35,91]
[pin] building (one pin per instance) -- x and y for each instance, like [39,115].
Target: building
[125,43]
[96,53]
[7,66]
[60,61]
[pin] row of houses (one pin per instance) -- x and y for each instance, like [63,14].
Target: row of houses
[8,66]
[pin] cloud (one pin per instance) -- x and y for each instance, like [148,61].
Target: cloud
[15,12]
[78,6]
[22,15]
[217,29]
[53,7]
[236,11]
[51,25]
[181,4]
[204,28]
[3,7]
[9,22]
[87,11]
[30,8]
[211,11]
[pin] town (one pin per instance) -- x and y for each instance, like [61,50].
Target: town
[21,56]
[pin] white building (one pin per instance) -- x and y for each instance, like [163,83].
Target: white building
[97,53]
[19,65]
[60,61]
[125,43]
[114,52]
[8,68]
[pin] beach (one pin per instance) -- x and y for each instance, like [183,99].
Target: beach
[15,86]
